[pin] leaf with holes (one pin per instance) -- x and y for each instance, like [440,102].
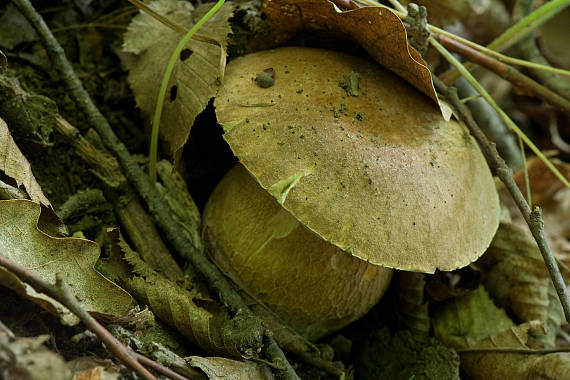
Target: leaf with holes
[197,72]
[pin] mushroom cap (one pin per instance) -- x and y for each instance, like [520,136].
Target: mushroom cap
[380,175]
[314,286]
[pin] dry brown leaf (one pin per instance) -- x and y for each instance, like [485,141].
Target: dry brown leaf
[501,365]
[196,75]
[227,369]
[28,358]
[24,243]
[515,274]
[445,12]
[14,165]
[193,314]
[378,30]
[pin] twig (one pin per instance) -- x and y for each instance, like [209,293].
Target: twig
[513,350]
[61,293]
[520,81]
[516,32]
[156,204]
[530,51]
[532,217]
[163,370]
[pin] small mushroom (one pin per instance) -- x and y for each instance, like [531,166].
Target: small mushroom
[334,189]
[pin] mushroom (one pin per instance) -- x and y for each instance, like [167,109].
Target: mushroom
[345,172]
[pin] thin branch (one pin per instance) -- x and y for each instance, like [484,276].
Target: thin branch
[505,174]
[163,370]
[521,82]
[514,350]
[516,32]
[61,293]
[157,205]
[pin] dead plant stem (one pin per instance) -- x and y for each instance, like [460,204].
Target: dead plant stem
[521,82]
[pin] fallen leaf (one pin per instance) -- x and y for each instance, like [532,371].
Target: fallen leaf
[491,365]
[217,368]
[464,320]
[24,243]
[196,75]
[28,358]
[14,165]
[516,276]
[378,30]
[194,314]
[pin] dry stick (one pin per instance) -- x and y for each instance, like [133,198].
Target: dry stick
[532,217]
[158,207]
[520,81]
[61,293]
[163,370]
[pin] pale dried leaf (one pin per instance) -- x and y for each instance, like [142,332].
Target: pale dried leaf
[196,75]
[515,274]
[29,359]
[22,242]
[16,166]
[502,365]
[217,368]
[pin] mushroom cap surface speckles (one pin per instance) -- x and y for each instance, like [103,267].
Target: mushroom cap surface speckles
[381,175]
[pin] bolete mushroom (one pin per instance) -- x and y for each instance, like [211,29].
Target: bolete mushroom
[345,171]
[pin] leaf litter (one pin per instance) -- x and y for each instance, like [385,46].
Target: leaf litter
[196,76]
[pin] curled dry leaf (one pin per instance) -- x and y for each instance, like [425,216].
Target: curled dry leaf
[378,30]
[194,314]
[14,165]
[504,365]
[515,274]
[196,74]
[28,358]
[222,368]
[24,243]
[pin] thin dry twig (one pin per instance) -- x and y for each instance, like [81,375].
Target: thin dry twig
[158,207]
[521,82]
[61,293]
[532,217]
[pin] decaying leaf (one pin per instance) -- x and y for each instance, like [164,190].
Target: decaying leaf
[217,368]
[193,313]
[24,243]
[196,75]
[28,358]
[491,365]
[515,274]
[378,30]
[16,166]
[464,320]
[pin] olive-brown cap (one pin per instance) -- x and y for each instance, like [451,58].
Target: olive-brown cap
[361,158]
